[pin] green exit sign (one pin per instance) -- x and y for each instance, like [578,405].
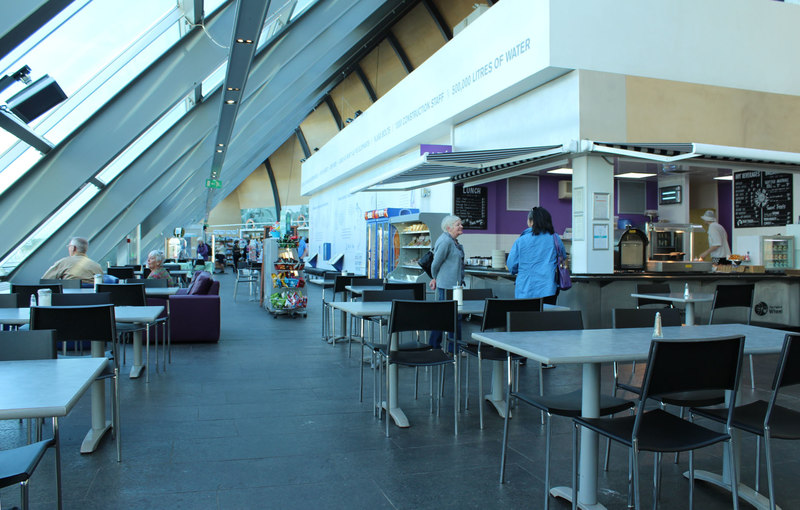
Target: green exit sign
[213,183]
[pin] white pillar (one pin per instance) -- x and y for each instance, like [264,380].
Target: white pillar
[592,215]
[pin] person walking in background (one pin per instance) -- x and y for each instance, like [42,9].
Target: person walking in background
[533,258]
[202,250]
[302,248]
[447,267]
[718,246]
[77,266]
[237,253]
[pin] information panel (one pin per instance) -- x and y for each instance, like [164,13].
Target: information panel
[762,199]
[470,204]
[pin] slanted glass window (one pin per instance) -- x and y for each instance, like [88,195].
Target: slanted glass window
[92,49]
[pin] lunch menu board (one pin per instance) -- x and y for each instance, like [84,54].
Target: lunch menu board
[762,199]
[470,205]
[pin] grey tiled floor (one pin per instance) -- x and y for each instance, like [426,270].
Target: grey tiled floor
[270,418]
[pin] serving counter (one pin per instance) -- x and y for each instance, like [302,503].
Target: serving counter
[776,301]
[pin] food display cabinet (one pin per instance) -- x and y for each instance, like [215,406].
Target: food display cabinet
[777,252]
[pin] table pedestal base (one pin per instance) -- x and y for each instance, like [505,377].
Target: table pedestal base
[566,493]
[398,416]
[746,493]
[93,438]
[136,371]
[499,405]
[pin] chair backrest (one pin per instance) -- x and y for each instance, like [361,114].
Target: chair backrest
[27,344]
[495,311]
[65,284]
[9,301]
[788,372]
[652,288]
[340,283]
[121,272]
[544,321]
[172,267]
[644,317]
[124,294]
[367,281]
[730,296]
[149,283]
[685,365]
[88,298]
[471,294]
[418,315]
[24,292]
[386,295]
[90,322]
[418,288]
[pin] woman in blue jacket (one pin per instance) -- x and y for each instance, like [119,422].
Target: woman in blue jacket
[533,257]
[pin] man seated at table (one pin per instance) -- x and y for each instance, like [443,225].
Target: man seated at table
[77,266]
[155,261]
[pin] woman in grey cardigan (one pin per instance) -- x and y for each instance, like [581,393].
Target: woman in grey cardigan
[448,265]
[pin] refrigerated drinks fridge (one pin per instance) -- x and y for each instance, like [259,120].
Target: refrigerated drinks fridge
[777,252]
[383,243]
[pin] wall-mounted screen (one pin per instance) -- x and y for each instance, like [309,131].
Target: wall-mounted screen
[669,195]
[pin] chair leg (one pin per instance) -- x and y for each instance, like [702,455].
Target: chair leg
[547,464]
[734,475]
[117,420]
[678,454]
[691,479]
[388,417]
[505,425]
[635,473]
[575,487]
[768,460]
[758,462]
[456,389]
[480,388]
[541,387]
[752,374]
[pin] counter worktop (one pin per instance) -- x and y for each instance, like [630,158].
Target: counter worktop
[631,275]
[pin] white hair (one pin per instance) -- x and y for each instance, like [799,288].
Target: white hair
[158,255]
[449,221]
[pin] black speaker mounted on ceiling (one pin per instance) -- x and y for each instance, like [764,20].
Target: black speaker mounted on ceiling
[36,99]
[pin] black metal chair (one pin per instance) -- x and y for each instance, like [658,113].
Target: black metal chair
[339,284]
[418,315]
[652,288]
[65,284]
[379,348]
[418,288]
[18,464]
[567,404]
[328,279]
[768,419]
[494,317]
[673,367]
[378,282]
[244,274]
[24,292]
[735,296]
[150,283]
[470,294]
[121,272]
[91,322]
[132,294]
[94,298]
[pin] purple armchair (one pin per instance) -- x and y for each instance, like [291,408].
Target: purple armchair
[195,312]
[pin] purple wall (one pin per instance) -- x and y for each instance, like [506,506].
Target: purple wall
[725,207]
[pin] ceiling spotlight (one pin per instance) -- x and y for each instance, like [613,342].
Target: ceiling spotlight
[230,101]
[233,89]
[358,112]
[244,41]
[303,160]
[348,120]
[219,150]
[220,145]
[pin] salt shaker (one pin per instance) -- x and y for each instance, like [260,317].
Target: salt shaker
[458,294]
[33,300]
[657,332]
[98,278]
[686,291]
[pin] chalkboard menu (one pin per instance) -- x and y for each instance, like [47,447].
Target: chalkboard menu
[470,205]
[762,199]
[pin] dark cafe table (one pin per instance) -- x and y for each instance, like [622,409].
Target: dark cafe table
[592,347]
[47,388]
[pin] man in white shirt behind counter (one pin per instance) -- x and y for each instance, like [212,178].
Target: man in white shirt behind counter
[717,238]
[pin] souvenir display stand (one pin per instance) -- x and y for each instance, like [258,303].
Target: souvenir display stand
[284,280]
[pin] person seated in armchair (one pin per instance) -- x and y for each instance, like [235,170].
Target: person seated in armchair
[155,261]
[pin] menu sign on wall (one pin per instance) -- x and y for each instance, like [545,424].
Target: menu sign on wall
[762,199]
[470,204]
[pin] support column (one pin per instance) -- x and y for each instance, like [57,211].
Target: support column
[592,215]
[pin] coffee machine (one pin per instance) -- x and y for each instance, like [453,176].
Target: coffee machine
[633,250]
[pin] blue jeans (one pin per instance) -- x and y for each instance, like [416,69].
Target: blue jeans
[436,336]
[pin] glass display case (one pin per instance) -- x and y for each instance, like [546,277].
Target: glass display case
[673,248]
[777,252]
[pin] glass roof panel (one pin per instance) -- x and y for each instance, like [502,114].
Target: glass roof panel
[46,229]
[302,5]
[92,50]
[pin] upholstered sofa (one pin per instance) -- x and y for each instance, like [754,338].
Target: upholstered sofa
[194,312]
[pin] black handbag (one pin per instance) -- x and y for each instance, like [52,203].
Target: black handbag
[425,263]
